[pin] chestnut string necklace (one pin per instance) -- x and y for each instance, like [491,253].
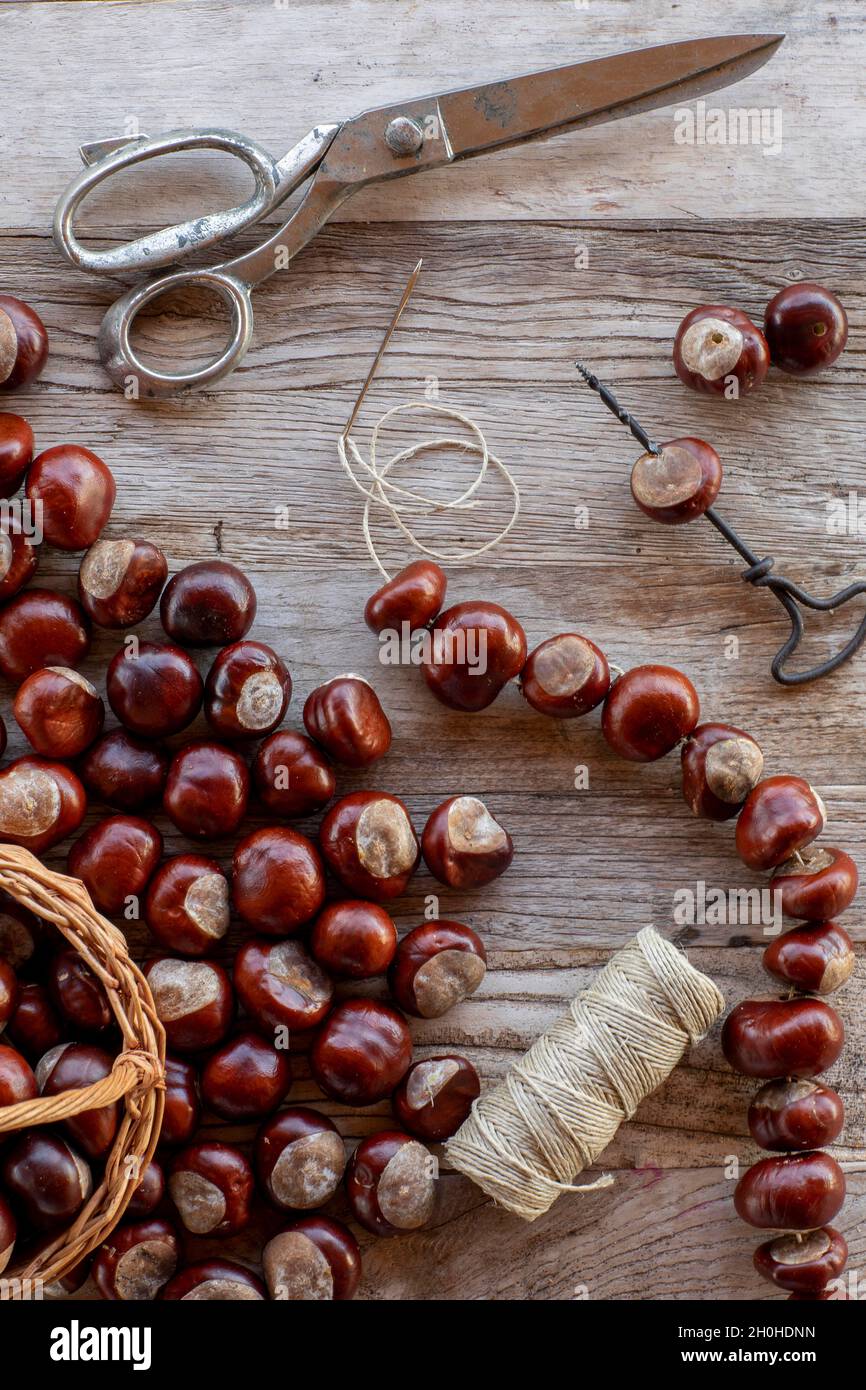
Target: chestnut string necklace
[525,1140]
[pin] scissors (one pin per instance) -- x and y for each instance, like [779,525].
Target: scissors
[339,159]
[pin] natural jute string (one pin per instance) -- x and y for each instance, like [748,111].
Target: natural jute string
[562,1103]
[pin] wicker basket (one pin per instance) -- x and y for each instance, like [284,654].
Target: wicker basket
[136,1078]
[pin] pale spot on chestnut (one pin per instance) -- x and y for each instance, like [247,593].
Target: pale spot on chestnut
[308,1171]
[799,1250]
[182,987]
[445,980]
[30,802]
[407,1187]
[296,1269]
[711,348]
[427,1079]
[386,843]
[666,479]
[8,346]
[222,1291]
[142,1270]
[564,665]
[207,904]
[289,962]
[261,699]
[733,766]
[104,567]
[472,829]
[200,1203]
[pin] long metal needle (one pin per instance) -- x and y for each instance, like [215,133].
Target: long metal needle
[404,300]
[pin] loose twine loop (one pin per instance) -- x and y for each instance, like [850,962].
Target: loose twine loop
[562,1103]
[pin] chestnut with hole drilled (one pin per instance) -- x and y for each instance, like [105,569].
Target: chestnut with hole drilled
[193,1000]
[806,328]
[780,816]
[182,1111]
[782,1037]
[300,1159]
[279,983]
[17,1081]
[77,993]
[791,1114]
[436,1096]
[816,883]
[34,1026]
[214,1281]
[391,1183]
[360,1053]
[69,1067]
[187,904]
[816,959]
[41,803]
[211,1186]
[464,846]
[8,993]
[154,689]
[565,676]
[803,1263]
[436,966]
[476,649]
[115,860]
[19,558]
[206,791]
[678,484]
[414,596]
[58,711]
[23,343]
[313,1260]
[720,764]
[208,604]
[76,491]
[16,451]
[136,1260]
[346,718]
[247,691]
[719,350]
[246,1078]
[46,1180]
[125,771]
[292,777]
[799,1192]
[278,880]
[354,940]
[120,581]
[370,845]
[41,627]
[647,711]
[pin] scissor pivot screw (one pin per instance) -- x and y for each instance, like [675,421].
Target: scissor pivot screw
[403,135]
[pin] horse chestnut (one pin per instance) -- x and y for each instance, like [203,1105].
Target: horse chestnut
[119,582]
[193,1001]
[23,343]
[41,802]
[565,676]
[136,1260]
[69,1067]
[436,966]
[77,992]
[477,648]
[799,1193]
[280,985]
[346,718]
[291,775]
[816,959]
[721,765]
[353,939]
[782,1037]
[795,1114]
[246,1078]
[278,880]
[125,771]
[679,483]
[214,1281]
[76,491]
[115,860]
[40,627]
[361,1052]
[17,1081]
[779,817]
[16,447]
[154,690]
[211,1186]
[207,790]
[247,691]
[208,604]
[391,1183]
[148,1194]
[816,883]
[182,1109]
[803,1262]
[59,712]
[436,1096]
[34,1027]
[806,328]
[300,1159]
[413,596]
[19,557]
[312,1260]
[647,711]
[19,932]
[464,846]
[369,843]
[45,1178]
[8,1232]
[187,904]
[716,346]
[8,993]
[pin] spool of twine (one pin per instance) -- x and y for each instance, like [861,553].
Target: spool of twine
[562,1103]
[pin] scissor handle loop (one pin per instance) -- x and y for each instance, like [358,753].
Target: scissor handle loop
[127,369]
[171,244]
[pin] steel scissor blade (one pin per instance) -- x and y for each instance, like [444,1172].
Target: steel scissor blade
[523,108]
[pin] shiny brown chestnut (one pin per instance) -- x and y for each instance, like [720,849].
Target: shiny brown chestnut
[16,451]
[247,691]
[148,1194]
[369,843]
[806,328]
[136,1261]
[8,1232]
[721,764]
[565,676]
[17,1081]
[77,993]
[120,581]
[278,881]
[798,1193]
[354,940]
[346,718]
[280,985]
[41,627]
[154,689]
[41,802]
[805,1262]
[476,649]
[679,483]
[391,1183]
[817,959]
[125,771]
[35,1025]
[115,860]
[780,816]
[58,711]
[23,343]
[246,1078]
[361,1052]
[464,846]
[211,1186]
[436,1096]
[300,1159]
[291,775]
[817,883]
[193,1001]
[187,904]
[19,932]
[436,966]
[782,1037]
[214,1281]
[8,993]
[647,711]
[19,558]
[182,1110]
[70,1282]
[76,491]
[46,1180]
[207,790]
[69,1067]
[314,1259]
[208,604]
[414,596]
[718,350]
[791,1114]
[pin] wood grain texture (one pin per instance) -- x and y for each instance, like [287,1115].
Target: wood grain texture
[504,305]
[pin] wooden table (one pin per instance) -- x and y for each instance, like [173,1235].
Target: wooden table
[591,246]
